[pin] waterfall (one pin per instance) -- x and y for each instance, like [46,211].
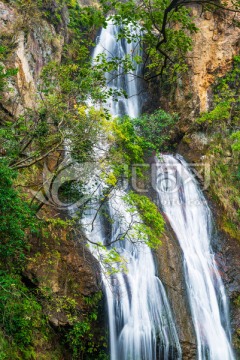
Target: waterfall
[189,215]
[108,45]
[141,325]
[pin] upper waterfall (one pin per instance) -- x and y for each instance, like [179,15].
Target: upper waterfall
[108,45]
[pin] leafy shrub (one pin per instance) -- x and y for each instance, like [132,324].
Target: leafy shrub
[155,129]
[82,337]
[21,317]
[5,74]
[153,223]
[220,113]
[236,141]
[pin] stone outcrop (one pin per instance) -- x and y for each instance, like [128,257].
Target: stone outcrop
[214,46]
[31,49]
[170,263]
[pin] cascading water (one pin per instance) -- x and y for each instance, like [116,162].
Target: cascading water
[190,217]
[140,320]
[108,45]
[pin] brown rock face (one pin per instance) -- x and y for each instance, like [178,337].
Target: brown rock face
[194,146]
[66,271]
[32,50]
[230,271]
[170,262]
[214,46]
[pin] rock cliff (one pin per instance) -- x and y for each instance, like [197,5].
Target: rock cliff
[214,46]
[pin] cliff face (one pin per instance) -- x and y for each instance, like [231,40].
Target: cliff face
[61,271]
[34,42]
[214,46]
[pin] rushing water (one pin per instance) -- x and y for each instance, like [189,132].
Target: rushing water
[189,215]
[141,325]
[108,45]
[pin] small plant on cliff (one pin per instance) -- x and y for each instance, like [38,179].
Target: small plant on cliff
[5,73]
[83,338]
[152,226]
[235,137]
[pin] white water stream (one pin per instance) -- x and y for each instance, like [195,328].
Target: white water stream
[190,217]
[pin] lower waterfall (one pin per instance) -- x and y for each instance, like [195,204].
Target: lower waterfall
[141,324]
[140,320]
[189,216]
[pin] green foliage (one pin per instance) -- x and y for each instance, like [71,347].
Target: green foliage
[112,261]
[5,74]
[82,337]
[64,89]
[236,141]
[155,129]
[153,223]
[131,139]
[86,125]
[219,114]
[222,125]
[127,147]
[21,318]
[7,351]
[167,57]
[226,110]
[126,140]
[15,219]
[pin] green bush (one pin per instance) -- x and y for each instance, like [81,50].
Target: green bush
[220,113]
[82,337]
[155,129]
[21,319]
[153,223]
[236,141]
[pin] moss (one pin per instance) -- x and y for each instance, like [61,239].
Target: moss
[187,139]
[230,228]
[236,339]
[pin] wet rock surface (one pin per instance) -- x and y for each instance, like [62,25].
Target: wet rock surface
[170,264]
